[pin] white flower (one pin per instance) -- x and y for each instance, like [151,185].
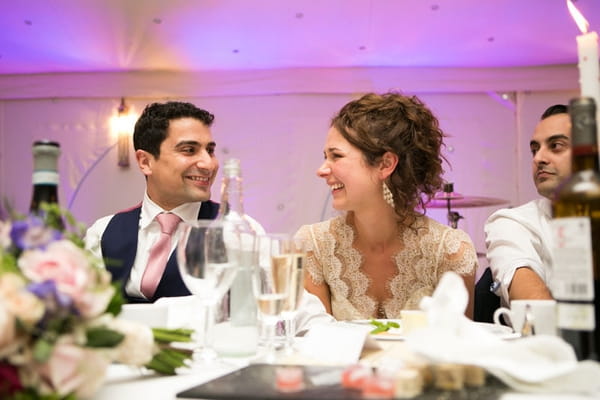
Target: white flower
[4,234]
[137,348]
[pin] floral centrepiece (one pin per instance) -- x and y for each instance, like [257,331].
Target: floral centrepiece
[58,308]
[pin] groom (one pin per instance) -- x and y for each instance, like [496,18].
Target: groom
[175,152]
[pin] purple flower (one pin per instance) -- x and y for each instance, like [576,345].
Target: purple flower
[58,306]
[47,290]
[33,233]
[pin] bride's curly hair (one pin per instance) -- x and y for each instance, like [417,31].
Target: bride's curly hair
[403,125]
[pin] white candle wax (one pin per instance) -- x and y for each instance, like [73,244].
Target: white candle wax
[589,69]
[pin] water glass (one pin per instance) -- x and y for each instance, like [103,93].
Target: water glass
[207,264]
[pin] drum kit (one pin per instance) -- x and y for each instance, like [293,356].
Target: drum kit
[450,199]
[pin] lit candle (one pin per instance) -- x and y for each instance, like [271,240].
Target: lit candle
[589,70]
[589,66]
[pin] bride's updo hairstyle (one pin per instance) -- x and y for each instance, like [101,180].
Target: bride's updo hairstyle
[403,125]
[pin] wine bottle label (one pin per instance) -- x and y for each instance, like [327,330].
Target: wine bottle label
[578,317]
[45,178]
[572,274]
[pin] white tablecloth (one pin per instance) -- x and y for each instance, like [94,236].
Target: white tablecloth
[124,383]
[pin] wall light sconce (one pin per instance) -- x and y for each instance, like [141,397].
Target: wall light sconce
[124,127]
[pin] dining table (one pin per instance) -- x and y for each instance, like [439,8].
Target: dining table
[126,382]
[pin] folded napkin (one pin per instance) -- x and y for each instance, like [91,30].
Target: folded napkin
[166,312]
[534,364]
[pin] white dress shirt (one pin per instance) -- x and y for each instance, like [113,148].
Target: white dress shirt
[519,237]
[148,234]
[310,311]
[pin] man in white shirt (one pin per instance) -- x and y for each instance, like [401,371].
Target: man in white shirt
[518,240]
[175,151]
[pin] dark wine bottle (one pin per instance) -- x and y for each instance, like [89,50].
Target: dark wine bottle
[576,231]
[45,174]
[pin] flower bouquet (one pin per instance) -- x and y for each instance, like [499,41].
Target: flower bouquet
[58,308]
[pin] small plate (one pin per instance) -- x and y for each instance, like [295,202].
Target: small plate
[502,331]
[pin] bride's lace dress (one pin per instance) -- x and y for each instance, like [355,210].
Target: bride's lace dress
[426,254]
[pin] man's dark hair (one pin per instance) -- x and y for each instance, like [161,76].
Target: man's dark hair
[555,109]
[152,126]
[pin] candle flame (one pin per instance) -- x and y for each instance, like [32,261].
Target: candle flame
[580,20]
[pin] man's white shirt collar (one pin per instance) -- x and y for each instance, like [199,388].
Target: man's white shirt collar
[188,212]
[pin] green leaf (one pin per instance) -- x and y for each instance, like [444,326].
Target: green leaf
[172,335]
[103,337]
[42,349]
[376,323]
[116,302]
[393,324]
[160,366]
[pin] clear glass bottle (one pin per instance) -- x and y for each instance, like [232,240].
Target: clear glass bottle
[576,231]
[45,174]
[242,304]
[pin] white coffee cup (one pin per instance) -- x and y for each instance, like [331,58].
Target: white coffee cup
[542,311]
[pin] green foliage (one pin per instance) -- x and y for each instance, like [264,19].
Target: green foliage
[116,302]
[100,336]
[383,326]
[31,394]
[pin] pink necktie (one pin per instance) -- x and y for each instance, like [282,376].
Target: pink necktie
[159,254]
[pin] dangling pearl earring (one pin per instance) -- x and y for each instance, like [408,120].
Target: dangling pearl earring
[388,196]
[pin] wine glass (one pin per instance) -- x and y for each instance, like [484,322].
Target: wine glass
[297,256]
[207,264]
[271,284]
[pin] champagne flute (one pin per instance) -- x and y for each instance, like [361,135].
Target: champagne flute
[207,264]
[296,289]
[271,283]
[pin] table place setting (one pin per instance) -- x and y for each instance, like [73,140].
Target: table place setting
[440,337]
[538,363]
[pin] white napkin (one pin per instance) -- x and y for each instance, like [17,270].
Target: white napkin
[534,364]
[337,343]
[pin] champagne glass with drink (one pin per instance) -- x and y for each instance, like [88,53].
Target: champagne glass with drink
[207,263]
[271,280]
[297,256]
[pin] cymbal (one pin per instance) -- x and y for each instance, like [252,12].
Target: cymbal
[457,200]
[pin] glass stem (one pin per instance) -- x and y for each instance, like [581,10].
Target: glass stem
[290,331]
[206,324]
[271,325]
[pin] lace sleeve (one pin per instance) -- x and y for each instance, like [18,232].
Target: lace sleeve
[313,266]
[458,253]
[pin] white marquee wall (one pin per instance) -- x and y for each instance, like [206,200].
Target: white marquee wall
[276,125]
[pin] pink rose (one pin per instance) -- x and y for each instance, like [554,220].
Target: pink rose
[73,369]
[62,262]
[95,301]
[7,328]
[22,304]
